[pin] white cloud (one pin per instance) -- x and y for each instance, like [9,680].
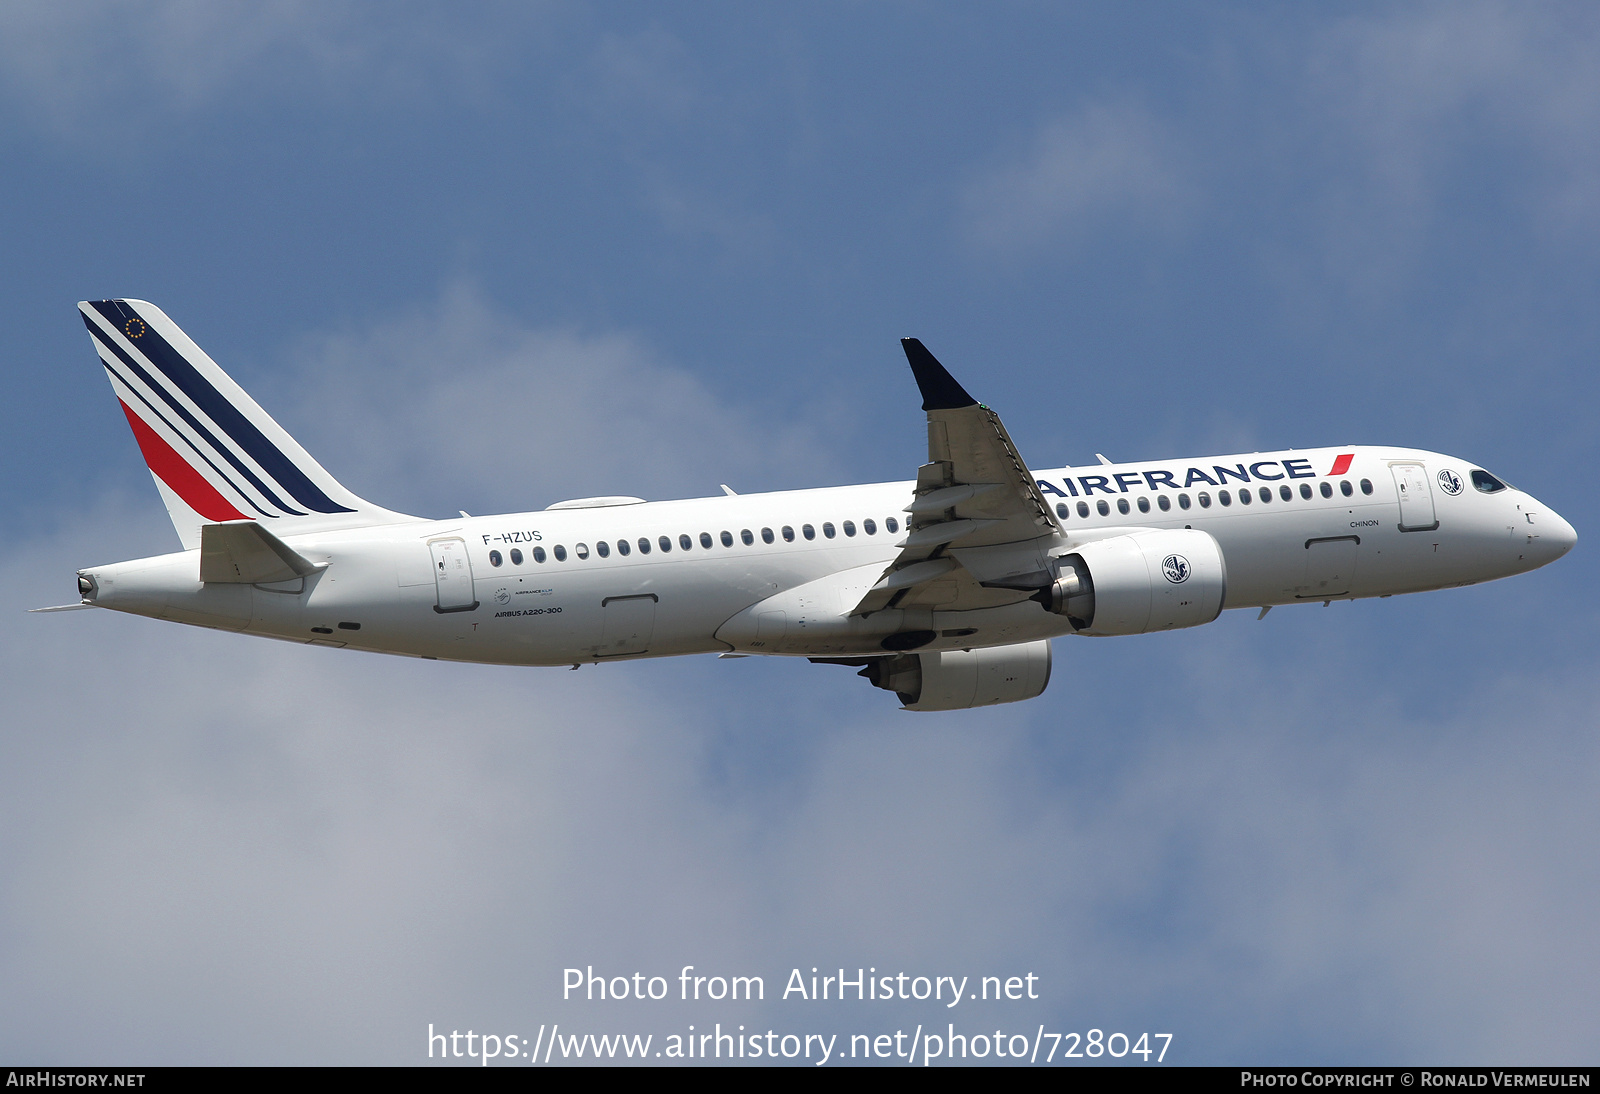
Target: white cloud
[1508,94]
[647,79]
[648,90]
[452,405]
[110,72]
[1104,163]
[223,849]
[1420,82]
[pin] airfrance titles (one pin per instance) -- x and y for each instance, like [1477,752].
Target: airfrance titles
[1167,478]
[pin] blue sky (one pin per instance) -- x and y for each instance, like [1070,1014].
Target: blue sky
[490,261]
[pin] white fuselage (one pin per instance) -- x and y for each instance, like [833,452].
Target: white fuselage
[380,590]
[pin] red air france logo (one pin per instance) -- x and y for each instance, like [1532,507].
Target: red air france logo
[1341,464]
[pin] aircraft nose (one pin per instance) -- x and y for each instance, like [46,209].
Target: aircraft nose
[1559,536]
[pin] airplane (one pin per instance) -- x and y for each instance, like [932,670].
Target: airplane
[946,589]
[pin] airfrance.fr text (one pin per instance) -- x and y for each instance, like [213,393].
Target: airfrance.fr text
[864,985]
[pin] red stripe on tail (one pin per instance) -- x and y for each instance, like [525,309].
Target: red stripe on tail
[1342,464]
[176,472]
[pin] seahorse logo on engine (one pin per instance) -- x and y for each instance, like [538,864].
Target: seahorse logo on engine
[1176,569]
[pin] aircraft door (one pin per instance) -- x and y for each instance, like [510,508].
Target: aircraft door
[1416,497]
[452,576]
[629,622]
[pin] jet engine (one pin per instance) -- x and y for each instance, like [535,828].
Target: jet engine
[1155,580]
[958,679]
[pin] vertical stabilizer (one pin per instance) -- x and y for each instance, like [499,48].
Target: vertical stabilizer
[215,454]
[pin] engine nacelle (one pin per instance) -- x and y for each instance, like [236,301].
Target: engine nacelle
[1157,580]
[959,679]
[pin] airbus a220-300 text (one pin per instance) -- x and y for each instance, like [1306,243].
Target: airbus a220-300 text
[945,589]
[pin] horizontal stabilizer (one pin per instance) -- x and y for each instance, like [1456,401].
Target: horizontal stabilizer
[246,553]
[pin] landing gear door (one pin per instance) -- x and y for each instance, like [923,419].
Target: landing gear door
[1416,497]
[452,576]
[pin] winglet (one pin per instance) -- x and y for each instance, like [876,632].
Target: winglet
[939,389]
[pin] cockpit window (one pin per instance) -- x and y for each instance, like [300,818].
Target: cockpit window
[1487,482]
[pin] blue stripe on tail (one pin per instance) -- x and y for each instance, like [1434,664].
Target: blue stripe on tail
[194,423]
[244,433]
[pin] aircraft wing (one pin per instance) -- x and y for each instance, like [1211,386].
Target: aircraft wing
[979,531]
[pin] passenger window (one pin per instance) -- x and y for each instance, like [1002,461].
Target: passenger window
[849,527]
[1144,505]
[603,549]
[1345,488]
[746,537]
[1266,493]
[1225,498]
[560,552]
[665,543]
[1122,506]
[1244,495]
[1366,486]
[809,531]
[1062,510]
[1105,510]
[727,538]
[644,545]
[788,533]
[581,550]
[827,529]
[538,554]
[869,526]
[1487,482]
[1183,501]
[891,524]
[705,540]
[494,558]
[1305,490]
[1327,489]
[1164,502]
[516,556]
[767,536]
[1083,508]
[622,549]
[684,542]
